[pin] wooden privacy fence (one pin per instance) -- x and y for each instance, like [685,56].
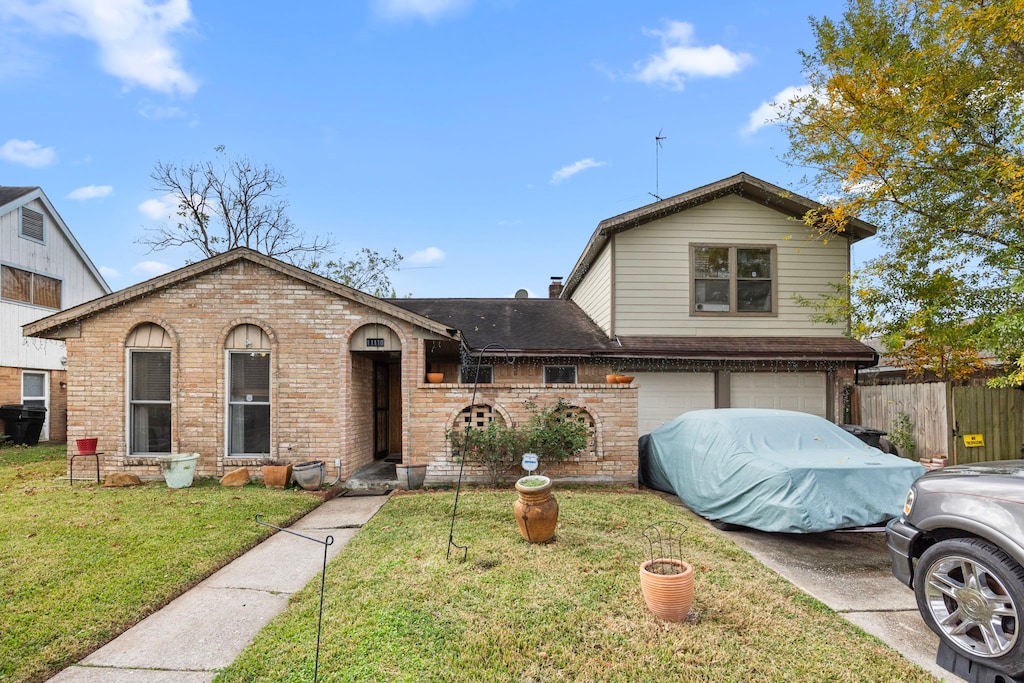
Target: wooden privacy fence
[942,415]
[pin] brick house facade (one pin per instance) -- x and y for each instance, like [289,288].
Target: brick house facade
[245,359]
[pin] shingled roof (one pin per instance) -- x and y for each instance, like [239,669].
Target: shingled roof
[9,193]
[524,326]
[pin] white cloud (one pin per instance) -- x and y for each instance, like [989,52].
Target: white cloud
[133,36]
[91,192]
[418,9]
[109,273]
[27,153]
[572,169]
[151,268]
[424,256]
[681,59]
[159,209]
[769,112]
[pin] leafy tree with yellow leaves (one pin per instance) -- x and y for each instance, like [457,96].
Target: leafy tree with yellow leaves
[913,118]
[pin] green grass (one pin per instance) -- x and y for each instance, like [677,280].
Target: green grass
[79,565]
[397,610]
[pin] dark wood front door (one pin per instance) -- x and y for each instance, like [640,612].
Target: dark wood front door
[381,410]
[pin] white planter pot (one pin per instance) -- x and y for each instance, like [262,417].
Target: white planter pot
[179,470]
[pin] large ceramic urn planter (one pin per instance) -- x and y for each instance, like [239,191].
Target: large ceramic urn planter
[178,470]
[536,510]
[667,585]
[309,475]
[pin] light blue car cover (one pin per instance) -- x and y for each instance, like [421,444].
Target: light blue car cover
[775,470]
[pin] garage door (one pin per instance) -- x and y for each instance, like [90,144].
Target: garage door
[801,391]
[666,395]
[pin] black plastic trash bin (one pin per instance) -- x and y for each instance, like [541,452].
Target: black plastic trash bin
[23,424]
[869,435]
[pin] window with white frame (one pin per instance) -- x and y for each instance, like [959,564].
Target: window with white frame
[249,403]
[149,399]
[559,374]
[732,279]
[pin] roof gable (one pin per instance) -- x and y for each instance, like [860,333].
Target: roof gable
[13,198]
[52,325]
[742,184]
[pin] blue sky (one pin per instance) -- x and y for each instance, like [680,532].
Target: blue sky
[483,139]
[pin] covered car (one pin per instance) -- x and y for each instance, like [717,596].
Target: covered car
[775,470]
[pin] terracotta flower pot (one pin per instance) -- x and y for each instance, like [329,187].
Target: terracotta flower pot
[277,476]
[668,595]
[612,379]
[536,510]
[435,377]
[625,379]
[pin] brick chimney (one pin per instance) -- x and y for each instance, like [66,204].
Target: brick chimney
[555,288]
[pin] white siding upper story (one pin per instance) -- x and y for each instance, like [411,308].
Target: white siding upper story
[57,256]
[651,279]
[594,294]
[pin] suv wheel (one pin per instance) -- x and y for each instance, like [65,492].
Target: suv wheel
[972,595]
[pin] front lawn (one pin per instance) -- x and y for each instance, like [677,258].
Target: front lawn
[78,565]
[397,610]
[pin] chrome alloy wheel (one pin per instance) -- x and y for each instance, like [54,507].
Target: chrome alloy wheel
[971,606]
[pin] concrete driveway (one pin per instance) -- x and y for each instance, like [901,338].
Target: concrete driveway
[849,572]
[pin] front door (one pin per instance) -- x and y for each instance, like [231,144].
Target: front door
[381,410]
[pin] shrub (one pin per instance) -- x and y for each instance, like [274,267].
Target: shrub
[496,448]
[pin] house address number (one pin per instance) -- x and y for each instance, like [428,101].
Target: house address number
[377,342]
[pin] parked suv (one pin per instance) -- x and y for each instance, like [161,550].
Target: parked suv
[960,545]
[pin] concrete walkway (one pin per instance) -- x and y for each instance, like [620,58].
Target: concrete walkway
[205,630]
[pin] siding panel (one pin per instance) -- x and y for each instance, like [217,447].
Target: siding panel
[652,276]
[593,294]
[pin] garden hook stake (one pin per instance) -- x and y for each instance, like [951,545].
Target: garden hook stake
[462,464]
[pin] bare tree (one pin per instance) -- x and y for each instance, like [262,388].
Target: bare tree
[230,203]
[234,202]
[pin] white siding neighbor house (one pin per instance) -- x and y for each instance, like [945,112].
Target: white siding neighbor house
[43,269]
[700,293]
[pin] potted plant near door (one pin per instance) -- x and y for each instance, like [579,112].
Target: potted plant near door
[277,474]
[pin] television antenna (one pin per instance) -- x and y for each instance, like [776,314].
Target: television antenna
[657,165]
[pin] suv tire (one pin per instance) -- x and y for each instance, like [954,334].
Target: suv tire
[972,595]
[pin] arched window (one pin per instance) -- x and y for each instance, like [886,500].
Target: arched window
[249,376]
[149,390]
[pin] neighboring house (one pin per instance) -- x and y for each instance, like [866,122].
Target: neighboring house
[43,269]
[699,293]
[243,358]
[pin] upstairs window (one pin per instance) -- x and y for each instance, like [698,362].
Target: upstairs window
[31,225]
[732,280]
[30,288]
